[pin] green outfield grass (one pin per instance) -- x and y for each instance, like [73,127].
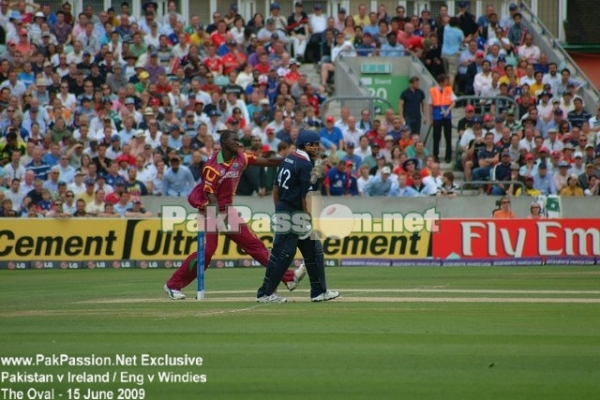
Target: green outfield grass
[396,333]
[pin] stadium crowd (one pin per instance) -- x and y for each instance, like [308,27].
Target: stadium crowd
[99,110]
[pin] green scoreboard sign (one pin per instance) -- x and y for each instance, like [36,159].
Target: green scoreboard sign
[380,82]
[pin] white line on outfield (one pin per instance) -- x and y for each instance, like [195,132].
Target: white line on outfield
[350,299]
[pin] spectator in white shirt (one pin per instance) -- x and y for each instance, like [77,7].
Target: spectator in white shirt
[528,50]
[351,133]
[363,150]
[16,194]
[483,80]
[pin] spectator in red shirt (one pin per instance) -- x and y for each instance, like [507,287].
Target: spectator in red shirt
[219,36]
[162,84]
[233,60]
[292,76]
[213,62]
[410,41]
[263,65]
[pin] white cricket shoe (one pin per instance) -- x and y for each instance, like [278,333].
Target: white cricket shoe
[174,294]
[299,274]
[274,298]
[328,295]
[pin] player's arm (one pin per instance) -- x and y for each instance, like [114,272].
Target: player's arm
[252,159]
[209,184]
[267,162]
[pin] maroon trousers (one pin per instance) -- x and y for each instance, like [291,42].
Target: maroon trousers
[247,240]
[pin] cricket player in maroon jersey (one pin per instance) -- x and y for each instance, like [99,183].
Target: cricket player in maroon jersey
[220,177]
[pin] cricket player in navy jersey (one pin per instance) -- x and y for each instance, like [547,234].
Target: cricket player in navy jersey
[292,224]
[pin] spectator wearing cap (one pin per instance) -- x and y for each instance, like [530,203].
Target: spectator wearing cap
[175,139]
[189,125]
[78,185]
[332,132]
[102,185]
[117,80]
[178,180]
[214,125]
[589,153]
[530,190]
[508,20]
[465,122]
[561,175]
[340,182]
[88,194]
[380,185]
[543,180]
[297,28]
[578,166]
[553,142]
[340,21]
[502,172]
[354,159]
[114,148]
[280,20]
[271,140]
[154,68]
[269,34]
[137,210]
[585,179]
[260,129]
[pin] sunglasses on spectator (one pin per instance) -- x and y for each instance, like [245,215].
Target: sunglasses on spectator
[69,195]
